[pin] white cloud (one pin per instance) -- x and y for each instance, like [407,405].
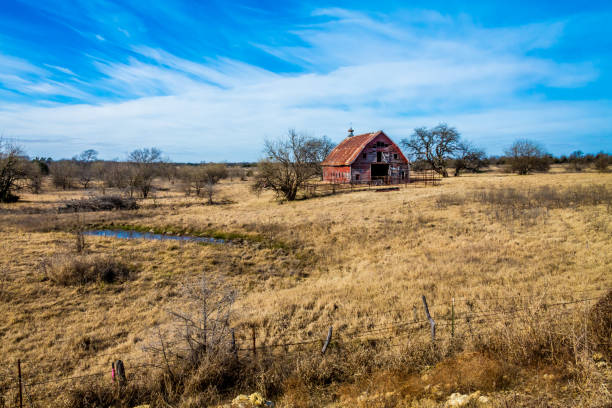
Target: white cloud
[61,69]
[374,71]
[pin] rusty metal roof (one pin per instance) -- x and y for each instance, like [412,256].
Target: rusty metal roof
[349,149]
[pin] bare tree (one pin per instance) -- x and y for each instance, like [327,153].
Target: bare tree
[469,158]
[213,173]
[114,174]
[203,178]
[576,160]
[319,148]
[84,162]
[287,166]
[35,175]
[236,172]
[63,173]
[204,323]
[602,160]
[12,170]
[526,156]
[436,146]
[146,165]
[169,170]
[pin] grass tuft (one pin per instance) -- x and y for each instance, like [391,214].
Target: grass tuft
[85,269]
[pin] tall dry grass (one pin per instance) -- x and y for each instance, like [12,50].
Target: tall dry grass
[74,269]
[357,261]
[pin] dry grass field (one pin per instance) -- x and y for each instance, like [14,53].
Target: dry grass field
[527,260]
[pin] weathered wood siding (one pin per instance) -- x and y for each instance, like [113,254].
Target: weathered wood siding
[337,174]
[389,154]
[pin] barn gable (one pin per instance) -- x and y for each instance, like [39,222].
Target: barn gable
[364,158]
[349,150]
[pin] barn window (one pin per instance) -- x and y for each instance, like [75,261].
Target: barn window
[395,156]
[365,155]
[356,176]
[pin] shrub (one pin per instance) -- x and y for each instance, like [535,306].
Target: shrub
[12,171]
[81,270]
[100,394]
[526,156]
[446,200]
[602,162]
[102,203]
[529,206]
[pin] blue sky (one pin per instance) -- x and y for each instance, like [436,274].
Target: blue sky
[210,80]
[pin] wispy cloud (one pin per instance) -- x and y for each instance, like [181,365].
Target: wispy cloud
[394,72]
[61,69]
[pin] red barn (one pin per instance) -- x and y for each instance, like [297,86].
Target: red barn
[364,158]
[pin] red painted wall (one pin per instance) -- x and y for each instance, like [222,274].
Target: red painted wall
[337,174]
[390,154]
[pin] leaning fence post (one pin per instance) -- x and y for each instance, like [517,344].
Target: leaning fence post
[19,376]
[253,336]
[453,318]
[431,321]
[329,336]
[120,373]
[234,344]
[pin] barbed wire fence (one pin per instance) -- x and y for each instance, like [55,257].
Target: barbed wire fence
[19,389]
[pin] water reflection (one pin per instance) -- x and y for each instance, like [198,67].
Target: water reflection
[126,234]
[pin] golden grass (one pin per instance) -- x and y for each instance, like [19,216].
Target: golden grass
[356,261]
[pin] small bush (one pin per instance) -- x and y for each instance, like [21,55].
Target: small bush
[81,270]
[101,394]
[10,198]
[602,162]
[600,324]
[446,200]
[102,203]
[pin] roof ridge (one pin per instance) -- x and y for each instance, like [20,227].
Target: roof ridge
[346,152]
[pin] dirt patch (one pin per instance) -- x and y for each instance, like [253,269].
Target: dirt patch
[470,372]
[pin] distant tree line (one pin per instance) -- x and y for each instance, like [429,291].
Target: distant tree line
[441,148]
[288,163]
[137,175]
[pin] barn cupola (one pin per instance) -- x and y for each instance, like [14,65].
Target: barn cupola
[351,132]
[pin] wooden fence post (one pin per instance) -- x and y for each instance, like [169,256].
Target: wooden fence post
[431,321]
[453,318]
[329,336]
[120,373]
[234,350]
[19,376]
[253,336]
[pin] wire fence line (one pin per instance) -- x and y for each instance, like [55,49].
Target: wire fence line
[397,312]
[447,304]
[397,326]
[381,334]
